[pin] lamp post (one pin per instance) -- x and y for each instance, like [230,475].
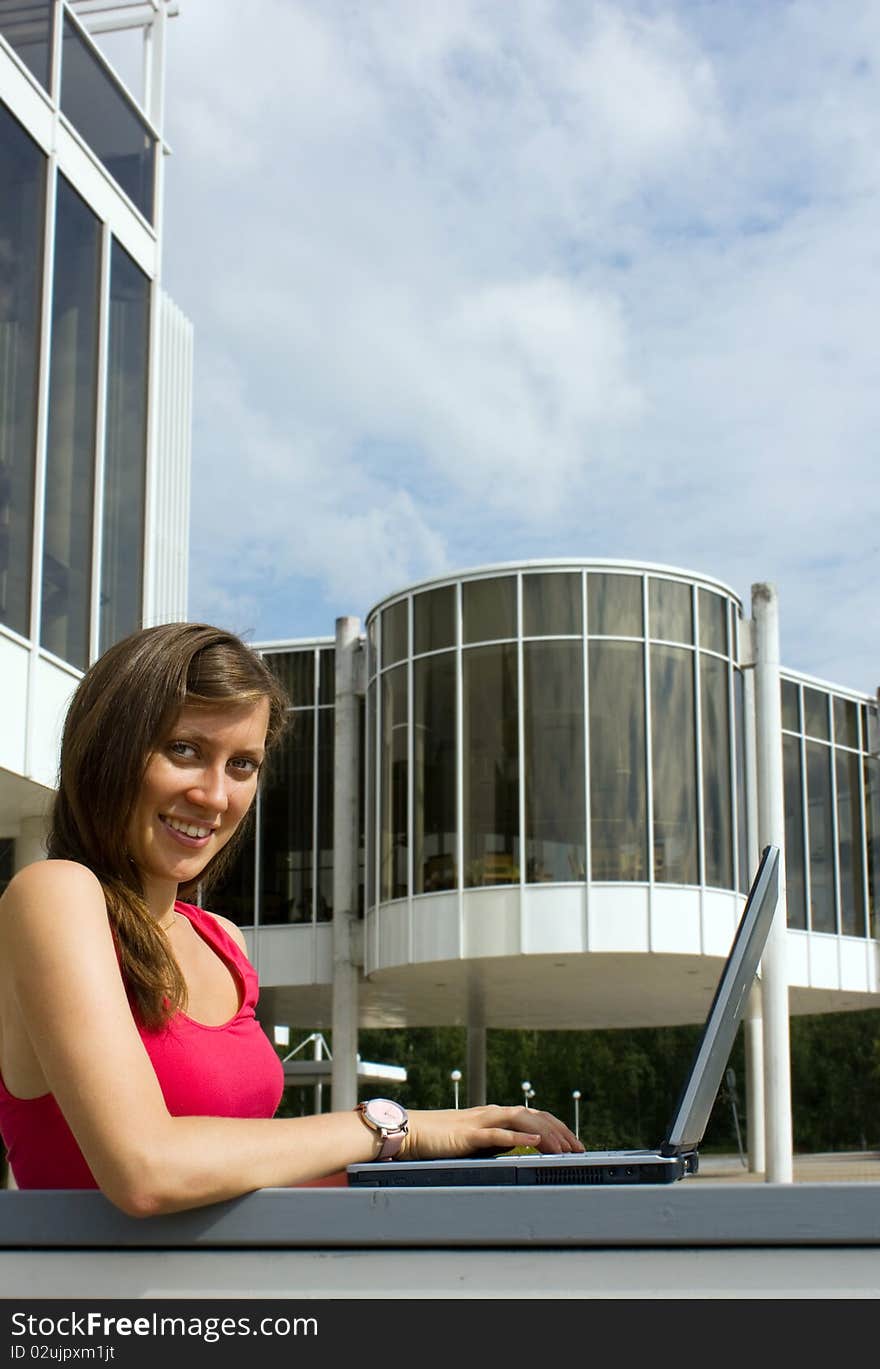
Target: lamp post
[576,1095]
[455,1076]
[528,1091]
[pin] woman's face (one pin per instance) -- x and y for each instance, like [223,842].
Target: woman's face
[198,786]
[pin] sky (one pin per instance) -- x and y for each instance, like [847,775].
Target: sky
[494,280]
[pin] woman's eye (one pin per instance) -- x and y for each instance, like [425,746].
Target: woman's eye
[182,749]
[243,765]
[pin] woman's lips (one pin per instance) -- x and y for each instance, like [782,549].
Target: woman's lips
[196,843]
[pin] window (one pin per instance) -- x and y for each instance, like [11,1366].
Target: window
[434,774]
[618,775]
[491,766]
[553,689]
[22,208]
[614,605]
[70,456]
[670,611]
[717,811]
[27,27]
[488,609]
[393,786]
[674,773]
[552,606]
[125,450]
[100,110]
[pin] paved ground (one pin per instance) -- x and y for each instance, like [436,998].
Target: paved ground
[860,1165]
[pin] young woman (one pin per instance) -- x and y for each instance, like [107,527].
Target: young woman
[131,1059]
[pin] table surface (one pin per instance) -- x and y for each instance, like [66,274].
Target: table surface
[688,1239]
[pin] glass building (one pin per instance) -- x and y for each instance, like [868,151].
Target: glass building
[558,808]
[95,378]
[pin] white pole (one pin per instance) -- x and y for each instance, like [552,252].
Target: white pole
[756,1123]
[771,829]
[755,1115]
[345,849]
[455,1076]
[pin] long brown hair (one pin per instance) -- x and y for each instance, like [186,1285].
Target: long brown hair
[122,710]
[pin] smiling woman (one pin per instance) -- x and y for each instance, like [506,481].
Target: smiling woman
[163,726]
[131,1059]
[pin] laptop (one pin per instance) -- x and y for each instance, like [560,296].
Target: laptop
[677,1154]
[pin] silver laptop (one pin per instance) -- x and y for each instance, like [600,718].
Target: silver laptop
[677,1154]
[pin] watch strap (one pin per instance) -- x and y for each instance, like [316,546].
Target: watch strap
[391,1143]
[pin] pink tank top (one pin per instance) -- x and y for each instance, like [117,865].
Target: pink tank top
[226,1071]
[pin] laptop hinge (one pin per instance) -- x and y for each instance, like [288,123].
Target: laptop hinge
[687,1157]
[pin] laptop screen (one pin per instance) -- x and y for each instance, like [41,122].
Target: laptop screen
[691,1116]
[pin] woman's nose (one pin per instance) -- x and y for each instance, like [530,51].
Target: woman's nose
[211,790]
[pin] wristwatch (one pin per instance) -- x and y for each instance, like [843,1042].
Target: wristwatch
[389,1120]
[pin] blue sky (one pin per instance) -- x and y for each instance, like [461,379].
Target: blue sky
[477,282]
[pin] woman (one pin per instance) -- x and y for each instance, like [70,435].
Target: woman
[130,1056]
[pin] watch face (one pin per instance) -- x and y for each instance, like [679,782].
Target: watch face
[383,1112]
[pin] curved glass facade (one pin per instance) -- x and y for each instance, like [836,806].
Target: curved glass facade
[555,725]
[558,725]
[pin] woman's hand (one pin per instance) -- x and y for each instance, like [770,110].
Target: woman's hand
[455,1133]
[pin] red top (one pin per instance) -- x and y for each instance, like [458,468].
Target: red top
[226,1071]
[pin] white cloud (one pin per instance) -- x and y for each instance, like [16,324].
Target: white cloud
[474,282]
[285,507]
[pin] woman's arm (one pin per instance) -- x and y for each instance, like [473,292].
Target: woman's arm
[69,997]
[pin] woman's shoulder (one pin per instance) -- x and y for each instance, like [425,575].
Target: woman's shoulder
[38,893]
[230,929]
[224,923]
[45,878]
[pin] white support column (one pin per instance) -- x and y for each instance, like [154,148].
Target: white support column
[345,866]
[771,828]
[30,844]
[476,1066]
[756,1121]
